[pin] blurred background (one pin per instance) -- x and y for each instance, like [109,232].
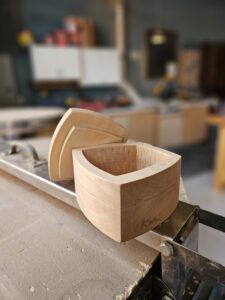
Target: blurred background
[155,66]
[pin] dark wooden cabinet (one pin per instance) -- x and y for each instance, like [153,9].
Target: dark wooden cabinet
[160,48]
[212,77]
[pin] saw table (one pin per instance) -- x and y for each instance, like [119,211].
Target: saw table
[49,250]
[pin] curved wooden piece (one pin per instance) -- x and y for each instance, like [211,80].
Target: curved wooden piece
[79,137]
[126,190]
[102,130]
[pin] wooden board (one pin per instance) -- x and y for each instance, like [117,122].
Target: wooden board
[16,121]
[219,177]
[96,128]
[128,189]
[81,137]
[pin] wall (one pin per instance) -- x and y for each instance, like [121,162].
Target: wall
[195,21]
[43,16]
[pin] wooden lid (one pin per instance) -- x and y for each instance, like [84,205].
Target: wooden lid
[79,128]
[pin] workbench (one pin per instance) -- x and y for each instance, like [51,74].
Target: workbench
[22,121]
[49,250]
[164,126]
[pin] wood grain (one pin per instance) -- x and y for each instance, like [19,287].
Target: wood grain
[126,189]
[140,124]
[102,130]
[79,137]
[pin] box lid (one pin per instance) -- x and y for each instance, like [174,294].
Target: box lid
[79,128]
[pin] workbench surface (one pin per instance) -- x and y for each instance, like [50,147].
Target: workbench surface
[49,250]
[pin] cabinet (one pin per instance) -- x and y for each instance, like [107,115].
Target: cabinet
[188,126]
[170,130]
[194,124]
[90,67]
[140,125]
[213,69]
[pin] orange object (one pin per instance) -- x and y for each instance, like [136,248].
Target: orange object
[219,177]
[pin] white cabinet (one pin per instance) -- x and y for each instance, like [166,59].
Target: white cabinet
[100,66]
[51,63]
[89,66]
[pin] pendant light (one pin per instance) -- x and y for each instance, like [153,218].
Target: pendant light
[158,37]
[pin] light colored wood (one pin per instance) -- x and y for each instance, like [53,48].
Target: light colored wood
[102,130]
[140,124]
[216,120]
[126,189]
[80,137]
[219,177]
[187,126]
[170,130]
[194,123]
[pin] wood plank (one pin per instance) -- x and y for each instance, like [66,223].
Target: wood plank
[219,178]
[216,120]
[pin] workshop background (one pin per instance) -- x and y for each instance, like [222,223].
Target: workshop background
[157,67]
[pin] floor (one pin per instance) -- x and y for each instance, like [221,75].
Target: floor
[200,191]
[197,172]
[198,158]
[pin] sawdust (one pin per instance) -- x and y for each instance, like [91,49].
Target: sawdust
[69,248]
[130,288]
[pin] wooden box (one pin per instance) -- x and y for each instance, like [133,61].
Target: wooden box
[124,188]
